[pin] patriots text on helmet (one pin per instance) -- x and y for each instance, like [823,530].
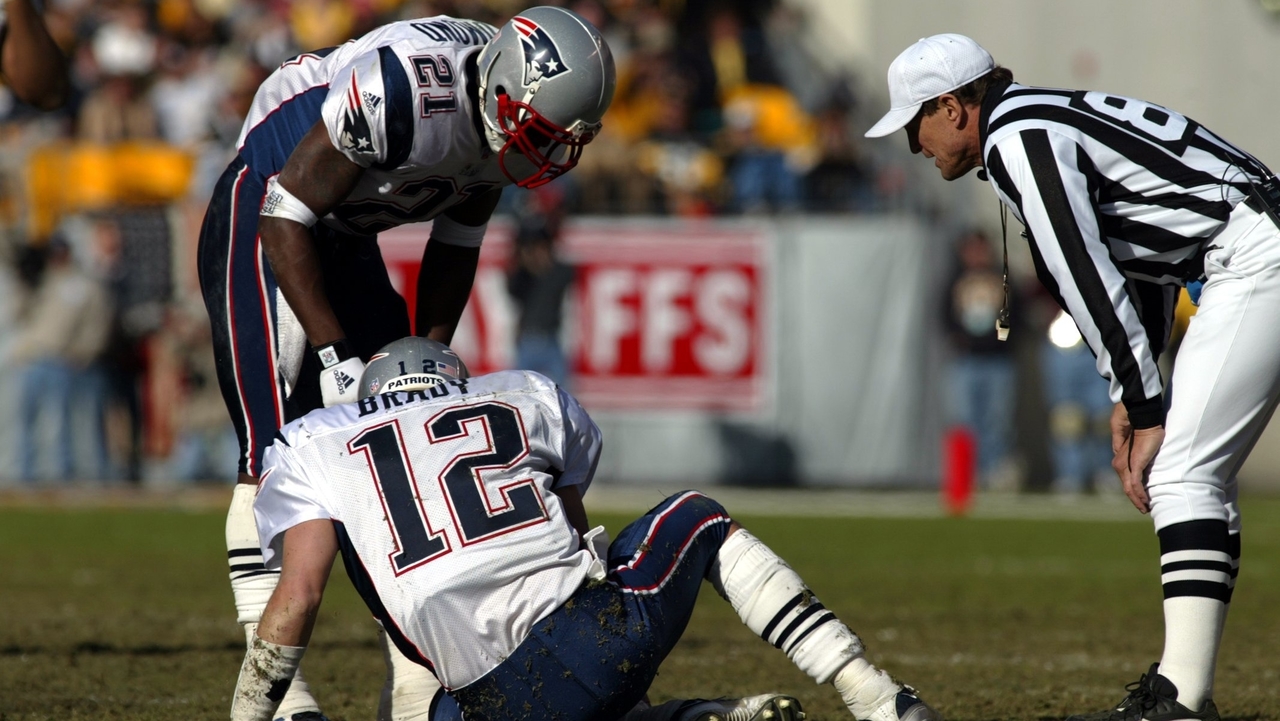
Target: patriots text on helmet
[389,399]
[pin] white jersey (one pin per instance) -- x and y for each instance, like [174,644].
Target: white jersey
[444,506]
[395,102]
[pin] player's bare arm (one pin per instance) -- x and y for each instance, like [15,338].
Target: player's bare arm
[319,176]
[32,63]
[444,283]
[571,498]
[309,550]
[272,659]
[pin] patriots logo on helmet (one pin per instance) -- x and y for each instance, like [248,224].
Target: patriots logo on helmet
[541,56]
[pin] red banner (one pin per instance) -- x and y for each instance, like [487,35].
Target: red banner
[663,315]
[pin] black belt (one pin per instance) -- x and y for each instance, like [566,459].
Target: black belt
[1264,197]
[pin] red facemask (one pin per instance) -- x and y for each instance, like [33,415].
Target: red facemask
[539,140]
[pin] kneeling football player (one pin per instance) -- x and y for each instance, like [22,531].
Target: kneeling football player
[456,504]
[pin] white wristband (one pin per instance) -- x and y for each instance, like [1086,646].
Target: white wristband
[264,678]
[450,232]
[280,203]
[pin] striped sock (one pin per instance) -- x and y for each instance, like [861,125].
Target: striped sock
[251,581]
[774,602]
[1233,549]
[1197,571]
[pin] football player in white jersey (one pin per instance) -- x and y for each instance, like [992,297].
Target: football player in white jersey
[418,120]
[456,503]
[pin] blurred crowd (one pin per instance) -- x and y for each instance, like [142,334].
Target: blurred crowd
[719,108]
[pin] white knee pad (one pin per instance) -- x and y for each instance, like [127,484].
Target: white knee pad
[251,582]
[409,689]
[773,601]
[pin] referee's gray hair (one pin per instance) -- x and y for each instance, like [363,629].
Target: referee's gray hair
[973,92]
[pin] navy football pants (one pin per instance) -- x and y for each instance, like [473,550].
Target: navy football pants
[596,655]
[240,294]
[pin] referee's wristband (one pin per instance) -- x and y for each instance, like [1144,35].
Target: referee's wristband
[331,354]
[1147,413]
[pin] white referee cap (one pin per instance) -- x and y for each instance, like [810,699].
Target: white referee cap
[933,66]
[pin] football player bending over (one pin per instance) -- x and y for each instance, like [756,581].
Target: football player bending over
[425,119]
[456,503]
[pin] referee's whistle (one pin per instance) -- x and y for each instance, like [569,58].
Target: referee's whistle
[1002,329]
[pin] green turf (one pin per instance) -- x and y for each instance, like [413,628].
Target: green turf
[127,615]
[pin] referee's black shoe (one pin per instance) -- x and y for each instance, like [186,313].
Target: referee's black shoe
[1152,698]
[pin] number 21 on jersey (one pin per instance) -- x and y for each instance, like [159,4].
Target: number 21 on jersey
[468,482]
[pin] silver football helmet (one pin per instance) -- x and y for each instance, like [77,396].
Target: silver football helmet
[410,364]
[546,79]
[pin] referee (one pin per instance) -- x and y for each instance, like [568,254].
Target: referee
[1125,201]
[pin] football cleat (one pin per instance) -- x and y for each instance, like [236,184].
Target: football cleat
[1152,698]
[766,707]
[906,705]
[305,716]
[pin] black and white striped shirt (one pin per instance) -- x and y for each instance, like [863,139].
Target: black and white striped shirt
[1120,198]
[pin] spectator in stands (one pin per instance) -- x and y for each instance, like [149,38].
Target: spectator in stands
[539,281]
[840,182]
[1079,411]
[205,445]
[721,53]
[123,51]
[63,332]
[686,172]
[772,144]
[982,375]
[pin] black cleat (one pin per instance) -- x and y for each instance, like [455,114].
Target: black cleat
[1152,698]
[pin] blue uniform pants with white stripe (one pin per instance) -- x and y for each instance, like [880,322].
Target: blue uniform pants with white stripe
[240,293]
[596,655]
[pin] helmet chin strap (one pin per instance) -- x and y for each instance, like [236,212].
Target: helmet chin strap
[492,135]
[492,130]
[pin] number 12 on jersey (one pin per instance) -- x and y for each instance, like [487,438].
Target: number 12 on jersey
[468,481]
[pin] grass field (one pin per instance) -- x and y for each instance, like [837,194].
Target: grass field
[126,614]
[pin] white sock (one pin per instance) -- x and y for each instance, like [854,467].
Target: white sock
[409,689]
[252,584]
[774,602]
[1192,630]
[864,687]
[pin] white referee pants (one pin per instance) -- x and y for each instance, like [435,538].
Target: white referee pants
[1226,377]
